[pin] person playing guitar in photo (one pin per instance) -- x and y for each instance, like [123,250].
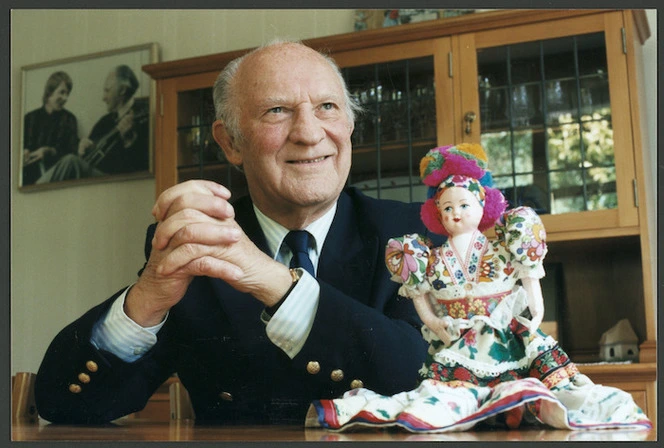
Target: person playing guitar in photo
[118,143]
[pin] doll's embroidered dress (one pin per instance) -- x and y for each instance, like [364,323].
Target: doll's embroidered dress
[493,362]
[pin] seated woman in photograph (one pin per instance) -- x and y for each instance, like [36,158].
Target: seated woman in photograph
[481,304]
[49,132]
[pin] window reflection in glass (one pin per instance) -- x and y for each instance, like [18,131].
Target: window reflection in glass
[546,123]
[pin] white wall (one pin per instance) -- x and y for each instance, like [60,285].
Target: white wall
[71,248]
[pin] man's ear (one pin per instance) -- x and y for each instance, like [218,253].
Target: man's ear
[121,93]
[227,143]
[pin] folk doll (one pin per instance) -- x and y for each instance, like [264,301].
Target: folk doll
[481,304]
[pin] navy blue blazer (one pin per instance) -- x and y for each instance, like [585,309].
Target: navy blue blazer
[215,341]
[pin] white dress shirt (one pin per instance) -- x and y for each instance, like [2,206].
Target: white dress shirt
[288,328]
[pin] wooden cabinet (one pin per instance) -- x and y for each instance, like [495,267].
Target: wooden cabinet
[555,117]
[158,407]
[551,94]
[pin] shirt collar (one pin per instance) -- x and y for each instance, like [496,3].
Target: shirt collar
[275,232]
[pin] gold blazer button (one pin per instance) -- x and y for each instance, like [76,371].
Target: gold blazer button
[337,375]
[356,384]
[84,378]
[313,367]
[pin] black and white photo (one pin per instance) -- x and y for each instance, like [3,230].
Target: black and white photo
[88,119]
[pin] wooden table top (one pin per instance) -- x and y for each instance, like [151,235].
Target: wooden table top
[186,430]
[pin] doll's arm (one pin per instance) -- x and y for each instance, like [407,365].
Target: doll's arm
[429,318]
[535,301]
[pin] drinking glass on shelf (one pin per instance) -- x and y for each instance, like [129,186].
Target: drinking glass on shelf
[555,102]
[386,114]
[424,110]
[358,132]
[399,116]
[523,108]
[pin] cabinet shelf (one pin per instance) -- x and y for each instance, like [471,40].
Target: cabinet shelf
[208,165]
[400,145]
[202,127]
[501,86]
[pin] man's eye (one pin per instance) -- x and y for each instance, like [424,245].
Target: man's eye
[276,110]
[327,106]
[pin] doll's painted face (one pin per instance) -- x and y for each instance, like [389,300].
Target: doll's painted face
[460,211]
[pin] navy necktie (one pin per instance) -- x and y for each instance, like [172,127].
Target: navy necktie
[298,242]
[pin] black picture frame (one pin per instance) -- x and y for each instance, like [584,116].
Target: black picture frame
[104,99]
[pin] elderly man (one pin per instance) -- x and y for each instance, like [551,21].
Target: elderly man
[252,339]
[118,142]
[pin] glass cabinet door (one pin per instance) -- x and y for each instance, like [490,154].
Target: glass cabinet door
[402,93]
[396,128]
[546,97]
[546,123]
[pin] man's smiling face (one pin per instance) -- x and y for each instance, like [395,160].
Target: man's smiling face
[295,145]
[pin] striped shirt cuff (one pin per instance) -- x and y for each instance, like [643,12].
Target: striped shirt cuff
[289,328]
[118,334]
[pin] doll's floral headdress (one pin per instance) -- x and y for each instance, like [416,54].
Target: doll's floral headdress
[465,166]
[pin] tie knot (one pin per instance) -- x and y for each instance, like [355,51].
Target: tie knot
[298,241]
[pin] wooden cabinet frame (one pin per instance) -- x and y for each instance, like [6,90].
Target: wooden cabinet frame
[615,222]
[453,43]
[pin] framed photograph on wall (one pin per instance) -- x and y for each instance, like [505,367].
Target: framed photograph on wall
[87,119]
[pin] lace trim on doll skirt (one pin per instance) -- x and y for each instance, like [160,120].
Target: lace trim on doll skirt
[536,346]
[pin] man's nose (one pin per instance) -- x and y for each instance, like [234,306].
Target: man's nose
[306,128]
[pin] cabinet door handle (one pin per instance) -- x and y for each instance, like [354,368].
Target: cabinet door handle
[468,119]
